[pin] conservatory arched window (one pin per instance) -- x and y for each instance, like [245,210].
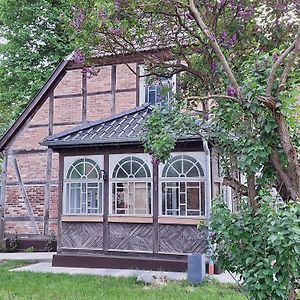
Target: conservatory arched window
[83,188]
[131,187]
[183,187]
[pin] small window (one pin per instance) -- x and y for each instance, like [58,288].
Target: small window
[156,89]
[131,187]
[183,187]
[83,188]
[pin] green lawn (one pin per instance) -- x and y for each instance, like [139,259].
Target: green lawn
[26,285]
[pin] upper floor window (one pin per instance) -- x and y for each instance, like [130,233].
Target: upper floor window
[155,89]
[131,187]
[83,188]
[183,187]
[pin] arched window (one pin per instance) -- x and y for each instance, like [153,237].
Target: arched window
[131,187]
[83,188]
[183,187]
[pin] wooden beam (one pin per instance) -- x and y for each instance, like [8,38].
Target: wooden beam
[82,218]
[130,219]
[106,204]
[27,151]
[155,208]
[78,95]
[31,182]
[3,193]
[113,90]
[24,195]
[84,97]
[60,200]
[22,219]
[49,166]
[181,220]
[137,84]
[54,124]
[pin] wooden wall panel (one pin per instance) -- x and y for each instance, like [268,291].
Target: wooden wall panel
[82,235]
[130,237]
[183,239]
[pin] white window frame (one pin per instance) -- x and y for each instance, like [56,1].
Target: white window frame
[142,85]
[113,161]
[199,157]
[68,162]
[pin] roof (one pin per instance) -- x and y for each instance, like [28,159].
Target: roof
[153,44]
[124,128]
[35,103]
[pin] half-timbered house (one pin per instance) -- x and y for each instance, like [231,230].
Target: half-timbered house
[73,165]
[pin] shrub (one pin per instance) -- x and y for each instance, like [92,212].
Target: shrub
[263,247]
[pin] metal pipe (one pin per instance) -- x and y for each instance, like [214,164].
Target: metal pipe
[208,194]
[208,179]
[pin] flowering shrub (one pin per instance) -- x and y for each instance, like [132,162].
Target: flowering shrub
[263,248]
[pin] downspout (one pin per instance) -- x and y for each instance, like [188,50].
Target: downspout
[208,179]
[208,194]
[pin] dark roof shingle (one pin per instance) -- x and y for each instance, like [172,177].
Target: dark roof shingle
[125,127]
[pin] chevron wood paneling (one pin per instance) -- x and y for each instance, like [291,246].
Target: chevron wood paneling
[182,239]
[82,235]
[135,237]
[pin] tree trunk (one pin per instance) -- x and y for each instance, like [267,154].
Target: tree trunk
[292,294]
[252,192]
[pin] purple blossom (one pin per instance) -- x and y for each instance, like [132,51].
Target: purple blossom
[232,5]
[101,14]
[118,5]
[78,16]
[212,236]
[223,37]
[222,3]
[118,31]
[231,41]
[78,56]
[89,71]
[214,67]
[275,57]
[231,91]
[189,16]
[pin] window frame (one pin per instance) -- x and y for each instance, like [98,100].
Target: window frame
[142,85]
[200,158]
[114,160]
[68,163]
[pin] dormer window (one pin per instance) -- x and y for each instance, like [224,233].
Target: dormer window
[156,89]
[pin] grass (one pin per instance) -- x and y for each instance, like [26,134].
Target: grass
[26,285]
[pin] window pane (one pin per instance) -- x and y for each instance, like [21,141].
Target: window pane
[80,168]
[177,165]
[193,196]
[74,174]
[131,198]
[203,199]
[120,173]
[75,197]
[93,198]
[172,198]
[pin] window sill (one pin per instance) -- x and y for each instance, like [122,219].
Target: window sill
[181,220]
[82,218]
[130,219]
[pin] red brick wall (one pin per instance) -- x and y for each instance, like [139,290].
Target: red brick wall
[67,114]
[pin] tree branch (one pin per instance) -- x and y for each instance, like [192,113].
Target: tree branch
[236,185]
[282,174]
[203,98]
[291,60]
[213,42]
[278,62]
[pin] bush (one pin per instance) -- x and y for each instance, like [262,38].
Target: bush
[263,247]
